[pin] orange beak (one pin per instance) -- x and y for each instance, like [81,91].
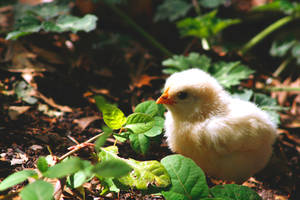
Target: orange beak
[165,99]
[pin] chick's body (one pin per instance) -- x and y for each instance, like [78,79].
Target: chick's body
[228,138]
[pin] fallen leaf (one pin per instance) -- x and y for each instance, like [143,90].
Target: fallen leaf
[15,111]
[86,121]
[144,80]
[51,102]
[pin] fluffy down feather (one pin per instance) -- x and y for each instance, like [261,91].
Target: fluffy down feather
[228,138]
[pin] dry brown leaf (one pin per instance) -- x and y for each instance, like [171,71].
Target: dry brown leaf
[49,56]
[86,121]
[144,80]
[15,111]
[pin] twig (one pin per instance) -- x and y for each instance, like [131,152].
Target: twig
[139,29]
[76,149]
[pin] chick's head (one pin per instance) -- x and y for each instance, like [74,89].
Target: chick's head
[192,93]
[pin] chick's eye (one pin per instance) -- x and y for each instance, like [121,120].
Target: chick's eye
[182,95]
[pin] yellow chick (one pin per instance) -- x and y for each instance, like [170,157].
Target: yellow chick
[228,138]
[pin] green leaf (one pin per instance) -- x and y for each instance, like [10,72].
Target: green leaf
[42,164]
[147,107]
[16,178]
[157,127]
[146,173]
[24,26]
[102,139]
[296,50]
[281,47]
[234,192]
[245,94]
[108,186]
[139,122]
[139,143]
[230,73]
[75,24]
[179,63]
[211,3]
[172,10]
[205,26]
[188,180]
[113,117]
[269,105]
[67,167]
[82,176]
[111,165]
[38,190]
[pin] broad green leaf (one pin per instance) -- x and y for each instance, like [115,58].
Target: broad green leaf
[42,164]
[234,192]
[281,47]
[82,176]
[172,10]
[205,26]
[147,107]
[146,173]
[16,178]
[113,117]
[230,73]
[188,180]
[245,94]
[67,167]
[38,190]
[102,139]
[269,105]
[122,137]
[139,143]
[75,24]
[139,123]
[179,63]
[211,3]
[24,26]
[110,164]
[157,127]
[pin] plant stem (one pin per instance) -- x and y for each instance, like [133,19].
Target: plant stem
[260,36]
[282,89]
[140,30]
[282,66]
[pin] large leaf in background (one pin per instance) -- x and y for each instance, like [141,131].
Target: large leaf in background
[38,190]
[230,73]
[211,3]
[234,192]
[146,173]
[50,17]
[172,10]
[269,105]
[205,26]
[179,63]
[188,180]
